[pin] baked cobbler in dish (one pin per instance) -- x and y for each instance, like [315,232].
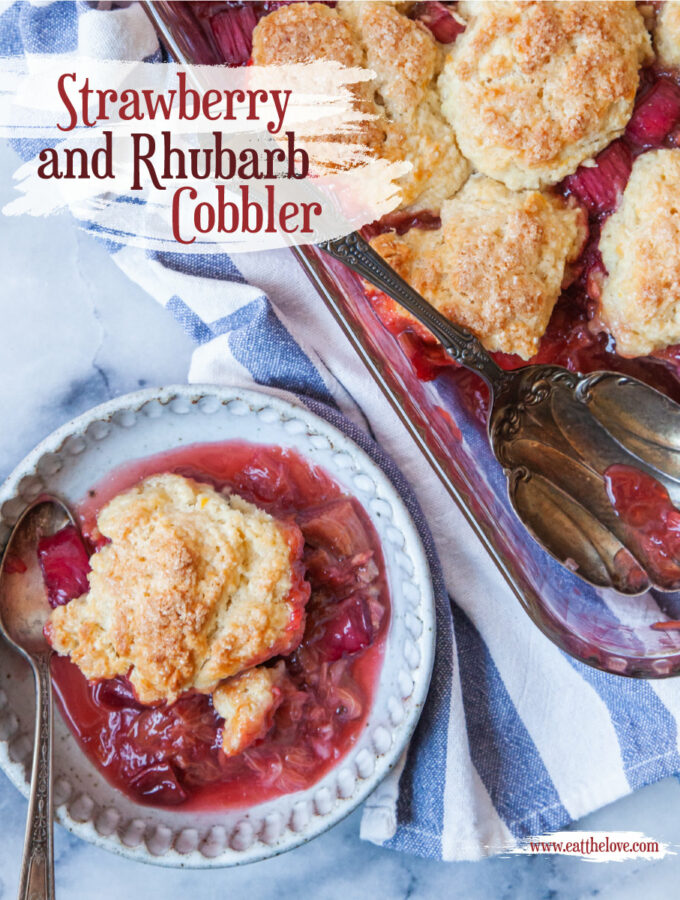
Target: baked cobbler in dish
[220,631]
[521,121]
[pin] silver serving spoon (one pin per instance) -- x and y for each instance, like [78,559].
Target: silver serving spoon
[555,433]
[23,612]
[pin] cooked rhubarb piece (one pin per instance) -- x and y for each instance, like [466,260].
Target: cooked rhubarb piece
[65,564]
[335,526]
[656,114]
[600,187]
[233,30]
[441,21]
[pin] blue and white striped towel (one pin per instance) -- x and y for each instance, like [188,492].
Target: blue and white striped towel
[516,739]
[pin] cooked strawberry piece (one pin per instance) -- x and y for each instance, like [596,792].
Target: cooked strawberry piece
[599,187]
[175,729]
[645,505]
[158,784]
[115,693]
[438,18]
[65,563]
[655,115]
[640,500]
[233,30]
[349,631]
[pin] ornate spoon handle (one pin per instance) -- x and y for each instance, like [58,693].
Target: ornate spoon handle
[37,867]
[460,344]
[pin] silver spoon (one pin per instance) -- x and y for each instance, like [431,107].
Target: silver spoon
[23,613]
[555,433]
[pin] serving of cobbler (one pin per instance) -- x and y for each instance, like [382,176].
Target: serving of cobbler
[219,627]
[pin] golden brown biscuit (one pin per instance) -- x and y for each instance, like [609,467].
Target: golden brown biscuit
[406,60]
[247,704]
[640,246]
[667,33]
[407,123]
[401,52]
[305,32]
[533,89]
[193,587]
[497,264]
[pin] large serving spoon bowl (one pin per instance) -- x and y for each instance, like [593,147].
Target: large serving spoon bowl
[23,613]
[556,434]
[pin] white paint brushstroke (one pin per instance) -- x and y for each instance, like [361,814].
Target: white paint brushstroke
[596,846]
[352,186]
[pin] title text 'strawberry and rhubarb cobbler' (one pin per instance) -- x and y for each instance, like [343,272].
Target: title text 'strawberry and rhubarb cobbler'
[221,643]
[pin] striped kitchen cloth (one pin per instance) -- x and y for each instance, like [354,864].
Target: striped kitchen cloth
[516,739]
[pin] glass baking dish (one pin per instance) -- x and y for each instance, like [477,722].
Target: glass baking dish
[602,628]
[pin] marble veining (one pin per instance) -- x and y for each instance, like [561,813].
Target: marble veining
[76,332]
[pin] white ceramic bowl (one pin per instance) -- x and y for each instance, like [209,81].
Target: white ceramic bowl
[75,457]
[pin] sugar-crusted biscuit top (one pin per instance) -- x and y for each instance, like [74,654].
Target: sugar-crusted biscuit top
[533,89]
[247,704]
[406,59]
[404,119]
[497,264]
[303,32]
[401,52]
[667,33]
[640,247]
[193,587]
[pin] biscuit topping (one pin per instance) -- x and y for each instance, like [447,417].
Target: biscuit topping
[497,264]
[194,587]
[247,704]
[534,89]
[640,248]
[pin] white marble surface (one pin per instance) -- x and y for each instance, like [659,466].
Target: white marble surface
[75,332]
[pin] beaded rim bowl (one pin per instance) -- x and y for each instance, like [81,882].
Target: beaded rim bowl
[76,456]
